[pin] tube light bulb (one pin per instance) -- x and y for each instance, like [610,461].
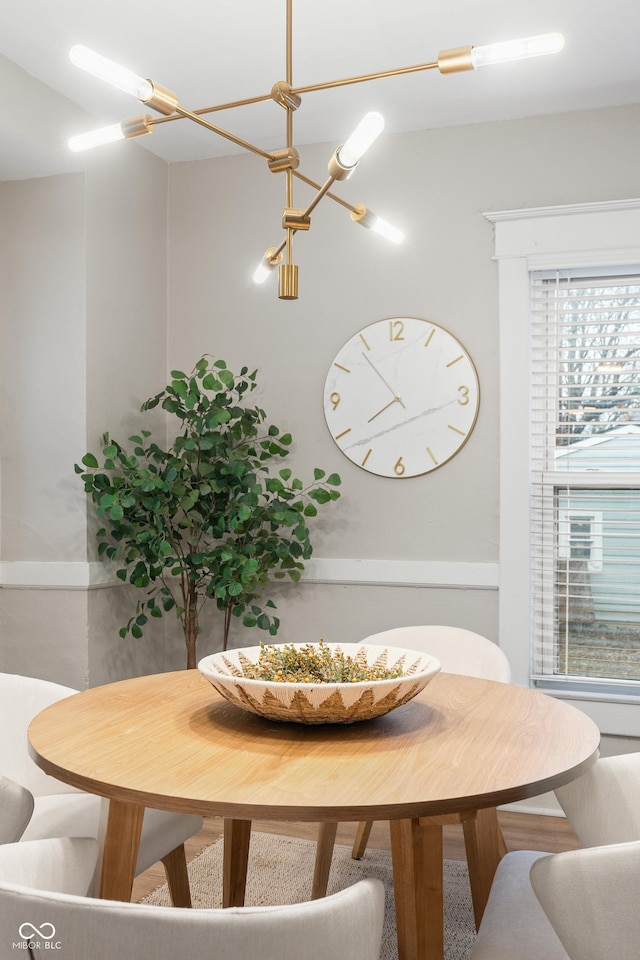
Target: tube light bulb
[368,130]
[95,138]
[368,219]
[99,66]
[267,265]
[261,273]
[387,230]
[517,49]
[125,130]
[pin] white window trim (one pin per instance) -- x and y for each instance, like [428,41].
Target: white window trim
[581,235]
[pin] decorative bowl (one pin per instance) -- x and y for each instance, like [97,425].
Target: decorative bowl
[321,702]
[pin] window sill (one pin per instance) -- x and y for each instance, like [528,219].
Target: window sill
[617,715]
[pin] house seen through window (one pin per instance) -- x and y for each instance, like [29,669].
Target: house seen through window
[585,457]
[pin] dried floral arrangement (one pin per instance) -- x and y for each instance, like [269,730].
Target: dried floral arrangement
[314,663]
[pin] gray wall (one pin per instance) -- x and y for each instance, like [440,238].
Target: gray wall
[436,185]
[42,421]
[83,342]
[43,342]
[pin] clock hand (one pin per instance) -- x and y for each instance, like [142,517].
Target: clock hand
[387,385]
[398,426]
[386,407]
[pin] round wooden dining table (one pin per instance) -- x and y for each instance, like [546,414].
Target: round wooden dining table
[458,750]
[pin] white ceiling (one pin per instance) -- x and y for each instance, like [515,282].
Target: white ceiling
[213,51]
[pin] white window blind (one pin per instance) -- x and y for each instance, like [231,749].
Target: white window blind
[585,462]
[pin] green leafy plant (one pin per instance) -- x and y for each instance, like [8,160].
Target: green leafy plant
[210,517]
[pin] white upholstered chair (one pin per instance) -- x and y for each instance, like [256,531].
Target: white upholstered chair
[589,896]
[16,807]
[578,905]
[62,811]
[42,886]
[603,805]
[459,651]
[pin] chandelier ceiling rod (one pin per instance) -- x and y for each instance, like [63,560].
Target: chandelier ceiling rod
[345,158]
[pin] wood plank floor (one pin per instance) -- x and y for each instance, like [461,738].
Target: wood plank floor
[521,831]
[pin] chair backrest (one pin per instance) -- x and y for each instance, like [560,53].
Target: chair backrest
[21,698]
[57,865]
[458,650]
[16,807]
[346,925]
[591,899]
[603,805]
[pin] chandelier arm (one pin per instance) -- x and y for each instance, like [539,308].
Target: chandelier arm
[319,195]
[249,101]
[278,250]
[201,111]
[189,115]
[308,89]
[316,186]
[367,76]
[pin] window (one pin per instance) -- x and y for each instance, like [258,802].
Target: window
[585,477]
[590,240]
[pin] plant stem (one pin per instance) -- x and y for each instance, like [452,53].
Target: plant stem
[227,626]
[191,624]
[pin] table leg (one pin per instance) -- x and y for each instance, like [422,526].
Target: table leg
[324,855]
[237,835]
[416,851]
[361,839]
[175,867]
[120,849]
[485,848]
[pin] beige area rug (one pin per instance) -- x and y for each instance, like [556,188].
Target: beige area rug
[281,869]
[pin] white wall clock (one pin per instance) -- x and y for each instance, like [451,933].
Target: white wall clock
[401,397]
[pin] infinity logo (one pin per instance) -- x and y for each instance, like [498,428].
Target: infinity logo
[27,931]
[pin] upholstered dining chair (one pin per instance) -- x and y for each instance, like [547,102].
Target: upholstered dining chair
[459,651]
[62,811]
[578,905]
[42,887]
[590,901]
[16,807]
[603,805]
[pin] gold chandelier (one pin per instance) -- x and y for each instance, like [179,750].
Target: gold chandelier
[286,160]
